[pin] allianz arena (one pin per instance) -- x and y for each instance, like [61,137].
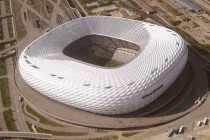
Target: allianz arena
[50,65]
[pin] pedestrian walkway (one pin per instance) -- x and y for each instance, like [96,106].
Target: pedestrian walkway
[20,123]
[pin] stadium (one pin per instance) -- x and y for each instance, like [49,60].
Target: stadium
[70,64]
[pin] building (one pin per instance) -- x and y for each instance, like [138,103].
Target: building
[160,58]
[145,7]
[191,6]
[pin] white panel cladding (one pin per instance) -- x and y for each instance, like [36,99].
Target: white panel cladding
[162,56]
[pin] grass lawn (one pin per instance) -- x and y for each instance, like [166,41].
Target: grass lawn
[19,26]
[128,134]
[1,34]
[54,1]
[113,137]
[29,126]
[7,5]
[4,87]
[59,133]
[3,69]
[41,118]
[30,116]
[8,118]
[10,28]
[112,63]
[14,58]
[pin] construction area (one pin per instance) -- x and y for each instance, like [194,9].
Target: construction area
[190,17]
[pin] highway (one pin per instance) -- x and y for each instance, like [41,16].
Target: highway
[6,134]
[5,16]
[6,41]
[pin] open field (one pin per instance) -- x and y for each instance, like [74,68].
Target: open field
[4,87]
[8,118]
[3,69]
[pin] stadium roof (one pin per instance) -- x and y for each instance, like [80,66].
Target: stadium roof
[161,58]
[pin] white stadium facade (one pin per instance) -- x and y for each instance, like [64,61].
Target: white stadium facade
[160,58]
